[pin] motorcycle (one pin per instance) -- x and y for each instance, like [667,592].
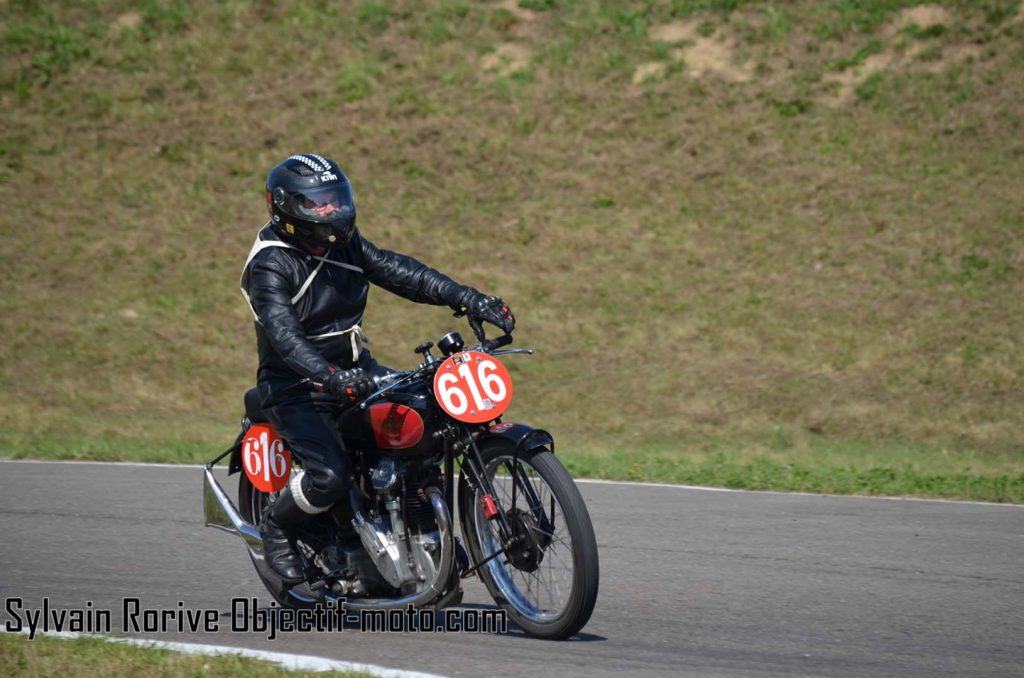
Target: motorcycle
[527,533]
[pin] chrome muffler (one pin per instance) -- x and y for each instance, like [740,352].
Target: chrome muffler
[222,514]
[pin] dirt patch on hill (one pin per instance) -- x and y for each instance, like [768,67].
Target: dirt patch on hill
[712,57]
[675,32]
[649,71]
[852,78]
[521,13]
[128,20]
[702,55]
[506,59]
[923,16]
[521,23]
[905,56]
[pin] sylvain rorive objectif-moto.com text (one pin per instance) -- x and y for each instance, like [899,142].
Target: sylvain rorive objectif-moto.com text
[244,615]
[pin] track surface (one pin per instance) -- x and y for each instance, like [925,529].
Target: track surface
[692,582]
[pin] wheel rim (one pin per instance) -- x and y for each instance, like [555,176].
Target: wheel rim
[258,501]
[540,593]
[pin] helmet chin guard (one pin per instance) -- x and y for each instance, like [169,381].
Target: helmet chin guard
[311,201]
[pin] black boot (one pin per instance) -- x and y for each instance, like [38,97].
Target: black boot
[278,523]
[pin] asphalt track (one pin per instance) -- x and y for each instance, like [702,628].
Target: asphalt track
[693,582]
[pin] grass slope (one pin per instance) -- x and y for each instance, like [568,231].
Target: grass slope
[45,656]
[755,243]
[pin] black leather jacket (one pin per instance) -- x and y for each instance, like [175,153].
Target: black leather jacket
[305,306]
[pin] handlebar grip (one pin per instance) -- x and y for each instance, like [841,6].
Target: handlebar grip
[492,344]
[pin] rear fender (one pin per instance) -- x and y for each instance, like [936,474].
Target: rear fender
[235,460]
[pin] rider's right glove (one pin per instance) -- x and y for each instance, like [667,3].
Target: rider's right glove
[352,385]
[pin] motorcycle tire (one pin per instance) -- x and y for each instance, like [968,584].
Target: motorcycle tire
[251,503]
[510,579]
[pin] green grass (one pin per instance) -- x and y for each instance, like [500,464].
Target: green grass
[44,656]
[778,462]
[700,261]
[821,466]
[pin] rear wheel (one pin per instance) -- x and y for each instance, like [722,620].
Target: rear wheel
[547,580]
[251,503]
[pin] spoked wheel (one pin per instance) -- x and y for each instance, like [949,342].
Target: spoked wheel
[251,503]
[547,580]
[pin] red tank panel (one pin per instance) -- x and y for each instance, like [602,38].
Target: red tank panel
[395,427]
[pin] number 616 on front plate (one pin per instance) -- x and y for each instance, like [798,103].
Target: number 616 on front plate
[473,387]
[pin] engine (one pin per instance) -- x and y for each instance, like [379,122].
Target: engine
[399,544]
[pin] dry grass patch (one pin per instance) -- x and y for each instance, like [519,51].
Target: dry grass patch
[506,59]
[897,54]
[702,54]
[43,656]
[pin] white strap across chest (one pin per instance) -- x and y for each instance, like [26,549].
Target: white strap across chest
[355,332]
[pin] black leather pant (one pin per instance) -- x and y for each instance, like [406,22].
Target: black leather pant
[308,423]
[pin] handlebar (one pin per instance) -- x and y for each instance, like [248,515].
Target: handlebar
[489,345]
[387,382]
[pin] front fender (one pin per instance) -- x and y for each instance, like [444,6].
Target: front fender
[523,436]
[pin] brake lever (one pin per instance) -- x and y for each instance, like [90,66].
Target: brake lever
[478,329]
[510,351]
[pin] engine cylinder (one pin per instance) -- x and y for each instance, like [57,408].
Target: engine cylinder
[419,516]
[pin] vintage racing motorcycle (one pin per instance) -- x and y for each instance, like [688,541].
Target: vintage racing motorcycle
[526,530]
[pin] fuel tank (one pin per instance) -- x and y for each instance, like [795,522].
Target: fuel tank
[400,424]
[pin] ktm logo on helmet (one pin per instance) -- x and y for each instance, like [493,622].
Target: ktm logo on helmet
[328,176]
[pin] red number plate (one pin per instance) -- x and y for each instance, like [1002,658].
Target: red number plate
[266,460]
[473,387]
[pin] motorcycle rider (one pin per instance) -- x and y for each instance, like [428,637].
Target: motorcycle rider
[306,280]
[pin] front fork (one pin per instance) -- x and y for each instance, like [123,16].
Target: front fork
[477,477]
[473,461]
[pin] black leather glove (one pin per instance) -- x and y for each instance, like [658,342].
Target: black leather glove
[351,385]
[486,308]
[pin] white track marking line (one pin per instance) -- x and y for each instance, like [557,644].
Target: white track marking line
[702,488]
[593,481]
[142,464]
[292,662]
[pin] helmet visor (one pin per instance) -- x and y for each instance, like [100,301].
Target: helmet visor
[329,204]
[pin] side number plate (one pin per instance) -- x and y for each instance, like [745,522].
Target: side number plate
[266,460]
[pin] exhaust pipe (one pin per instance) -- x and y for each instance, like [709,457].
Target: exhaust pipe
[222,514]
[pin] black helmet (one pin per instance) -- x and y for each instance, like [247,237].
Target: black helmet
[310,200]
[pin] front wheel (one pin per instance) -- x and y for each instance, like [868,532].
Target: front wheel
[547,579]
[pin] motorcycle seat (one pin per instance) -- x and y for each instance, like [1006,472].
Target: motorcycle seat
[252,407]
